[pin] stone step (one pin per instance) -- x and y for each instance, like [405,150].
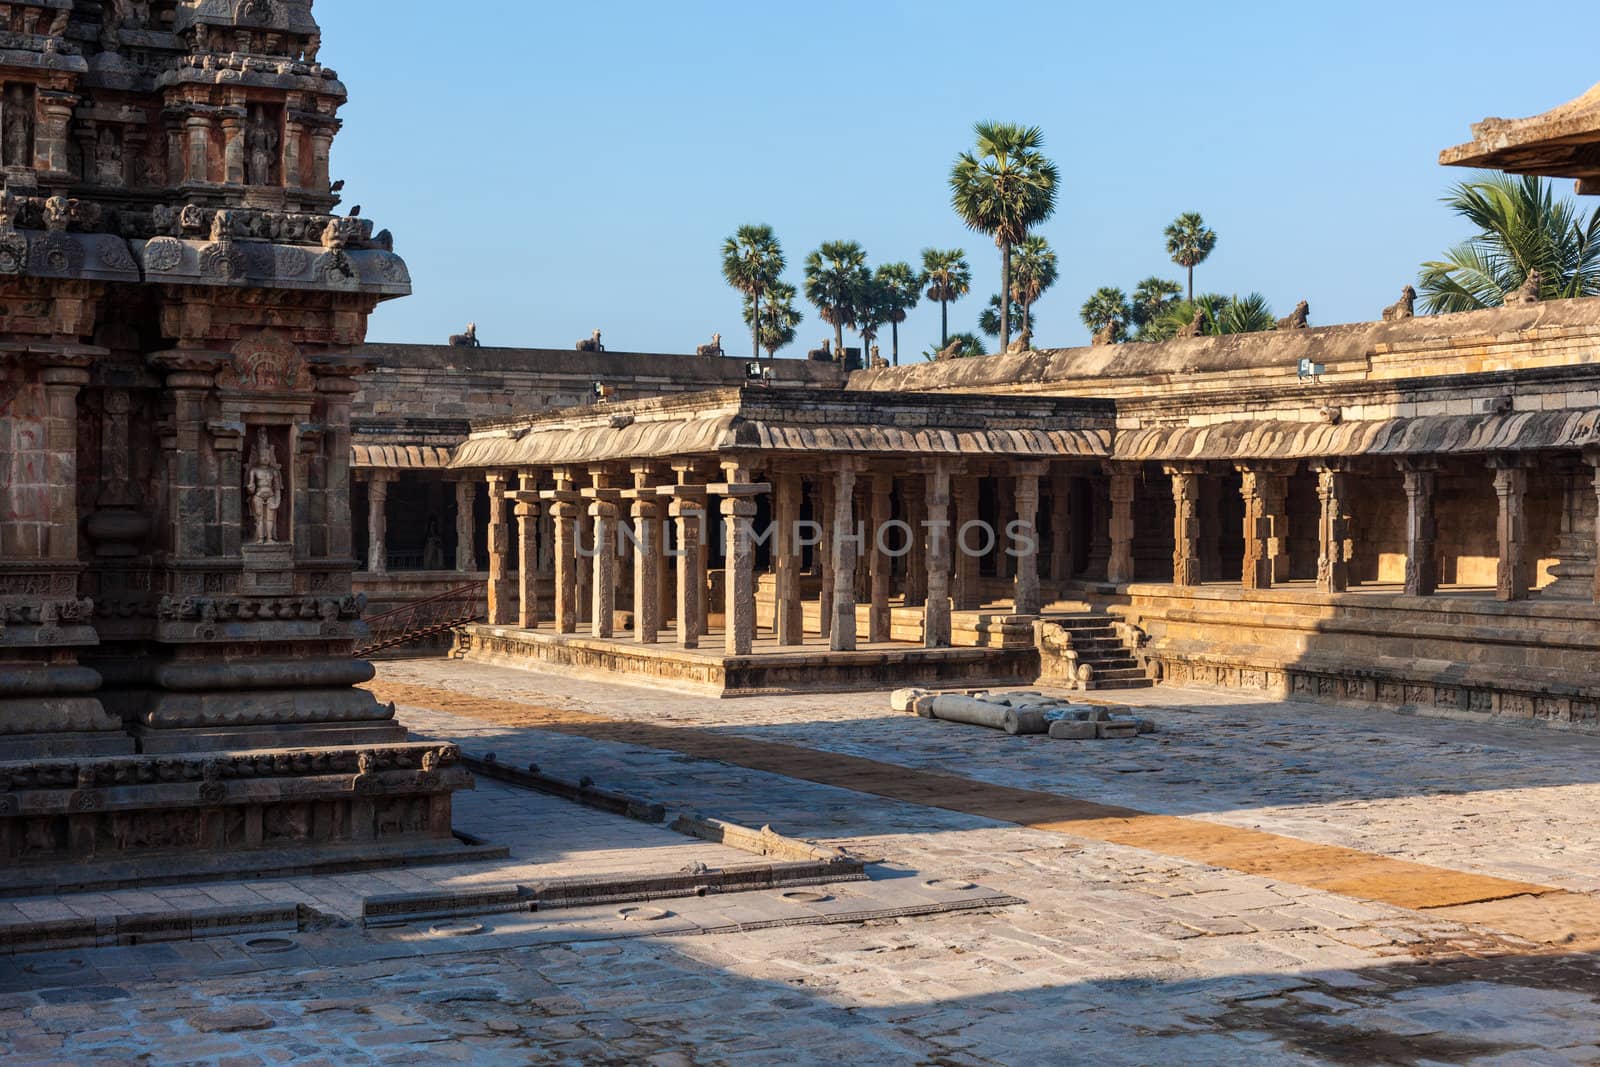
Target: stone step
[1120,683]
[1119,674]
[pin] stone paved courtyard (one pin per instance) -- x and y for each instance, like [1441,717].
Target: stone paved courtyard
[1116,955]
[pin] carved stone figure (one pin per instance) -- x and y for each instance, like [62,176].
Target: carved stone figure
[877,362]
[433,548]
[1109,334]
[263,484]
[712,349]
[1197,325]
[1528,291]
[1404,308]
[108,157]
[18,127]
[58,24]
[823,354]
[1299,319]
[1023,343]
[592,344]
[948,352]
[468,339]
[261,149]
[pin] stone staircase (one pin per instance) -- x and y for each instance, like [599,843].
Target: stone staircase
[1089,652]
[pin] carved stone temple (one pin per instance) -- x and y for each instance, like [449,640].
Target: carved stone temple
[181,321]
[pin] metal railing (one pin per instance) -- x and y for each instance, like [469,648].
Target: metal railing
[421,619]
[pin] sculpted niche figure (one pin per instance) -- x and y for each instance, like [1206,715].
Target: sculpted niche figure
[261,144]
[263,484]
[18,128]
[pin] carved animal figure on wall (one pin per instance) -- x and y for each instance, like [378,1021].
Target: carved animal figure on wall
[823,354]
[948,352]
[1298,319]
[1404,308]
[1023,343]
[1109,334]
[1197,325]
[1528,291]
[468,339]
[712,349]
[591,344]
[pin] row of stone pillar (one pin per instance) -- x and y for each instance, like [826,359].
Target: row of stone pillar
[1266,554]
[378,482]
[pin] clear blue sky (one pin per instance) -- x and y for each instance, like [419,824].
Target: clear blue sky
[552,168]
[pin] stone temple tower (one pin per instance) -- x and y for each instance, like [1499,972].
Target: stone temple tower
[180,312]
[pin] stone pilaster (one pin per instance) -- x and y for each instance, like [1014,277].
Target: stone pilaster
[788,610]
[603,513]
[336,387]
[1187,533]
[466,528]
[880,564]
[916,568]
[822,504]
[233,146]
[1272,483]
[1119,530]
[197,159]
[936,609]
[1420,477]
[1511,488]
[1025,597]
[378,521]
[499,553]
[739,609]
[1333,528]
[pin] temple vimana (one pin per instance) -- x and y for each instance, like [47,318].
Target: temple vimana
[209,482]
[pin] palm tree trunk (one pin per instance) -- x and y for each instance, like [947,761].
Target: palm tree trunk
[1027,316]
[894,342]
[1005,296]
[1191,283]
[944,323]
[838,341]
[755,330]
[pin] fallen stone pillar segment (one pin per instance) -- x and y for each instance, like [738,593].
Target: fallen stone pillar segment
[972,712]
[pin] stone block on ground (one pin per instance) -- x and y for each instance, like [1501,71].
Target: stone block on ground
[905,699]
[1072,730]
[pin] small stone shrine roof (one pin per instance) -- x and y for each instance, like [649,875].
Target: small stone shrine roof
[1564,142]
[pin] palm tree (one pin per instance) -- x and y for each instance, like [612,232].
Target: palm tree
[778,317]
[989,318]
[902,289]
[874,309]
[1224,315]
[1189,243]
[1108,305]
[971,345]
[835,276]
[1248,314]
[752,261]
[949,278]
[1151,297]
[1004,190]
[1522,227]
[1032,272]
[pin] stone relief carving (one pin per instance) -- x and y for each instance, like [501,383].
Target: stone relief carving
[261,149]
[18,132]
[264,486]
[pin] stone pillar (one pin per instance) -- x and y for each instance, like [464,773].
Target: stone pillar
[1187,555]
[50,132]
[1025,495]
[292,133]
[1257,527]
[499,553]
[1333,529]
[1422,571]
[916,568]
[233,147]
[822,508]
[1511,486]
[378,522]
[1005,508]
[1120,485]
[321,146]
[527,513]
[1061,547]
[646,514]
[965,496]
[842,638]
[739,577]
[565,507]
[1591,456]
[788,610]
[1272,483]
[936,609]
[880,564]
[688,512]
[466,528]
[603,511]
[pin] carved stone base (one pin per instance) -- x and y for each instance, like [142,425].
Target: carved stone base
[164,815]
[221,739]
[268,570]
